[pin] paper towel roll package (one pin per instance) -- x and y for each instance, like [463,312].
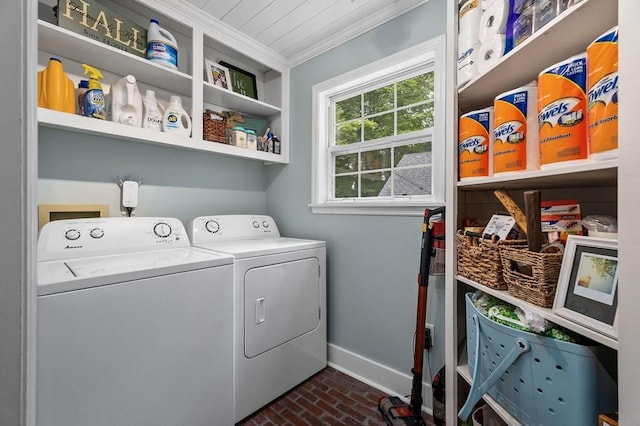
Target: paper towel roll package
[562,111]
[543,12]
[523,26]
[469,19]
[515,131]
[520,5]
[475,139]
[491,52]
[467,61]
[494,20]
[602,83]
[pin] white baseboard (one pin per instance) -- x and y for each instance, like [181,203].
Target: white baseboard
[388,380]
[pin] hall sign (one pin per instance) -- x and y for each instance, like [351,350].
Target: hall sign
[95,21]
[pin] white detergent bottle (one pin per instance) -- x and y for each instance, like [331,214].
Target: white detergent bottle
[126,102]
[153,112]
[176,119]
[162,47]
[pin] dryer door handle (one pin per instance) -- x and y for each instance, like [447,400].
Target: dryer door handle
[260,310]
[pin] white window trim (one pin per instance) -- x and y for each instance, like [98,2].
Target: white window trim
[429,51]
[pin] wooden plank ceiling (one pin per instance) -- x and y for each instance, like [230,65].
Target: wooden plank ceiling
[302,29]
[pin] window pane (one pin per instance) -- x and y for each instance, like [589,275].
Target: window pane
[372,183]
[415,118]
[378,127]
[412,155]
[379,100]
[416,89]
[346,186]
[346,163]
[348,109]
[349,133]
[376,159]
[414,181]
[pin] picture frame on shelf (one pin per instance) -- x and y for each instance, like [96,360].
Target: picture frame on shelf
[218,75]
[587,291]
[242,82]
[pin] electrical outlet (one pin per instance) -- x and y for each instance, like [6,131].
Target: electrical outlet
[430,329]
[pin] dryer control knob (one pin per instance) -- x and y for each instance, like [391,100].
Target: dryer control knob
[162,230]
[96,233]
[212,226]
[256,224]
[265,224]
[72,234]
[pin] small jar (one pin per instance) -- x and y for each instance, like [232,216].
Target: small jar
[238,137]
[252,139]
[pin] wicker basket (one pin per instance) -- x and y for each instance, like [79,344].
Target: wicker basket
[214,127]
[479,259]
[531,276]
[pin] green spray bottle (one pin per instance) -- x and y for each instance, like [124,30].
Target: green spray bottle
[94,102]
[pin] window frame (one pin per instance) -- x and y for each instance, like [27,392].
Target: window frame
[429,54]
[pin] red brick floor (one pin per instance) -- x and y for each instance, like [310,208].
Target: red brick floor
[328,398]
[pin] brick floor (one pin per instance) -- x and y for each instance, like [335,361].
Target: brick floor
[328,398]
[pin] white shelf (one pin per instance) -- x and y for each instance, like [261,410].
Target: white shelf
[546,313]
[555,42]
[92,126]
[587,172]
[463,370]
[67,44]
[236,102]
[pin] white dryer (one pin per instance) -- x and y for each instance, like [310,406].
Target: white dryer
[134,326]
[280,332]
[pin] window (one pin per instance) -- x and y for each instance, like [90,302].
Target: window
[379,136]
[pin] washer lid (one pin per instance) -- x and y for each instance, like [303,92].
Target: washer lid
[74,274]
[262,247]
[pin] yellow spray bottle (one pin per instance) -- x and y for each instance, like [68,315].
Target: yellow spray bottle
[94,102]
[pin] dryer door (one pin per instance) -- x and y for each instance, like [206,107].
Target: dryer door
[282,302]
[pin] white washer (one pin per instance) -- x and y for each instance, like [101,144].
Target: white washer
[134,326]
[280,331]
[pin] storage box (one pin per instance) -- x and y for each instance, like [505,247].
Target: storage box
[537,379]
[531,276]
[478,259]
[214,126]
[95,21]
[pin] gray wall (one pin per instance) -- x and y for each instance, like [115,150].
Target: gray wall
[372,261]
[79,169]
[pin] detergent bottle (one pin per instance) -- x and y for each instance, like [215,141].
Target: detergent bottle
[56,90]
[153,114]
[94,102]
[126,102]
[162,47]
[176,119]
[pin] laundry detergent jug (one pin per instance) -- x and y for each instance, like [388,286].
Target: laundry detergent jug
[153,112]
[126,102]
[162,47]
[56,90]
[176,119]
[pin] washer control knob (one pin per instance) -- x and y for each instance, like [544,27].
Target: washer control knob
[162,229]
[212,226]
[72,234]
[256,224]
[265,224]
[96,233]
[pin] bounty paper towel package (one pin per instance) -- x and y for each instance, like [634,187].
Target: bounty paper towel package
[602,81]
[562,111]
[516,130]
[496,33]
[475,139]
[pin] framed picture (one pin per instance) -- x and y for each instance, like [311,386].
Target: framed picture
[587,290]
[242,82]
[218,74]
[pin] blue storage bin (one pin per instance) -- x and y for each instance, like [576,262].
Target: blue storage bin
[539,380]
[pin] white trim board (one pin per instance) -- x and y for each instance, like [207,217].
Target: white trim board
[389,381]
